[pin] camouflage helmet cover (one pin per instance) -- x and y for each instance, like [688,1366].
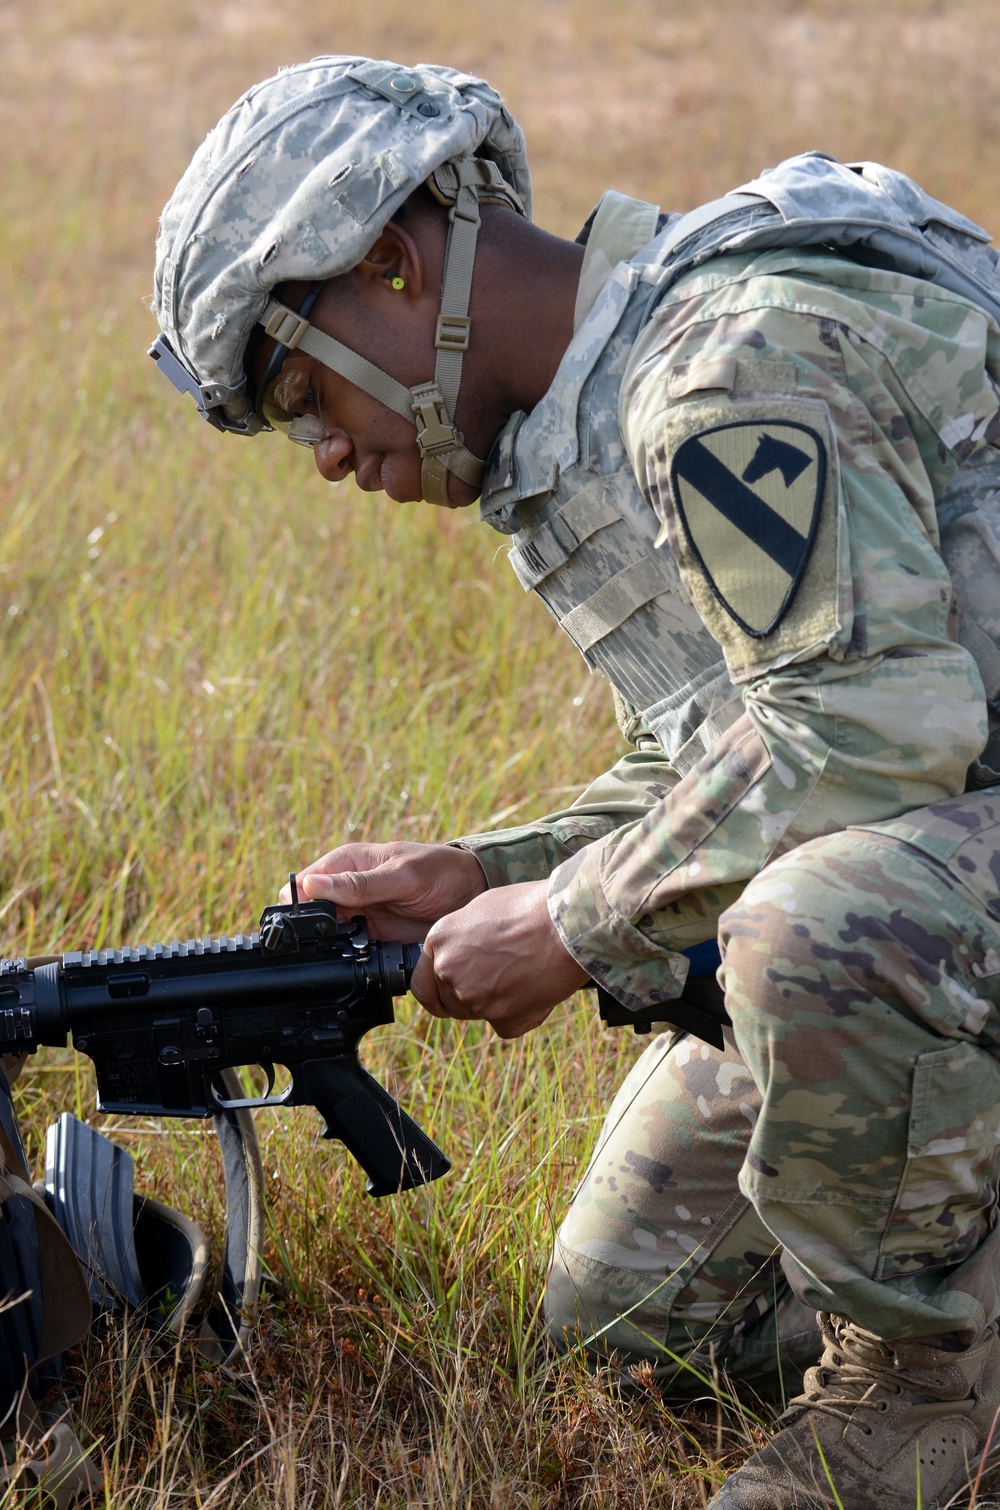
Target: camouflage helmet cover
[298,180]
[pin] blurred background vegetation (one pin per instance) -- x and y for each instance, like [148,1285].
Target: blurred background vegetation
[216,667]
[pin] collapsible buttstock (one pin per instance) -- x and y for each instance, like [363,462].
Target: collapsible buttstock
[388,1144]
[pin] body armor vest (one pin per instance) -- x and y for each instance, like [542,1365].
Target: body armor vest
[560,483]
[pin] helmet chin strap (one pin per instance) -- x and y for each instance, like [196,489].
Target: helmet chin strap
[462,185]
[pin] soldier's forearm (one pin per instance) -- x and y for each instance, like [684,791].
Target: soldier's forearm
[618,797]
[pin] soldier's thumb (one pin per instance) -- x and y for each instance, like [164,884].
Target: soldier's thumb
[351,888]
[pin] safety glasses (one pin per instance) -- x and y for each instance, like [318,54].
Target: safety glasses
[303,428]
[299,424]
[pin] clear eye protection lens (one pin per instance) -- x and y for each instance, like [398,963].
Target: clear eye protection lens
[272,393]
[270,410]
[307,430]
[303,429]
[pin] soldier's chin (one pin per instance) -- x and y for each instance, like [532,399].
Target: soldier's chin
[460,494]
[396,485]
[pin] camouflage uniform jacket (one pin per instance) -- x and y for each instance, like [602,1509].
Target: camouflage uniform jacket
[749,463]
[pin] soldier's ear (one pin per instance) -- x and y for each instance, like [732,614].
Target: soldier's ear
[395,256]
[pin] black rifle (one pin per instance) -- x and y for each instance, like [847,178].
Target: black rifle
[162,1020]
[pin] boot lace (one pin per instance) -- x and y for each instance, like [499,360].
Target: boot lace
[854,1361]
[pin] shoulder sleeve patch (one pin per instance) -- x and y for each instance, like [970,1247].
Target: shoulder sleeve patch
[750,501]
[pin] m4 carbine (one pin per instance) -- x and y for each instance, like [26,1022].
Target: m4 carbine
[161,1021]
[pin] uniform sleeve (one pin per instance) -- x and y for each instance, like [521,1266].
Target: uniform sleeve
[617,799]
[786,457]
[795,766]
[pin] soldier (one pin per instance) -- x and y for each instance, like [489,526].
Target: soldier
[740,455]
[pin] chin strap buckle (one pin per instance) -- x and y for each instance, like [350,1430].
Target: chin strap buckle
[436,434]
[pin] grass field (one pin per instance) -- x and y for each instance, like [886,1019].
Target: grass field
[215,668]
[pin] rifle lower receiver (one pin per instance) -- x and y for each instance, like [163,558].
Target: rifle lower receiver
[160,1021]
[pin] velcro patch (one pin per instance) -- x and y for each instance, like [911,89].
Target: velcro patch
[749,496]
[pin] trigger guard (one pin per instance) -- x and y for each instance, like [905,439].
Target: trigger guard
[252,1103]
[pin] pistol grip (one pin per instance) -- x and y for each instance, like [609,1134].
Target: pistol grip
[388,1144]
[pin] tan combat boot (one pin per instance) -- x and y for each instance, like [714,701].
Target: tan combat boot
[875,1420]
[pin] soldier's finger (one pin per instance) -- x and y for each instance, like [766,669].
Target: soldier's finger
[424,984]
[347,857]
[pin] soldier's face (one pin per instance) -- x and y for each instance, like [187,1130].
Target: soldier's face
[356,432]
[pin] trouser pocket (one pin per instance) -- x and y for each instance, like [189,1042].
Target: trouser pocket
[946,1200]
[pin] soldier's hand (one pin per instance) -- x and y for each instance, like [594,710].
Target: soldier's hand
[399,888]
[498,959]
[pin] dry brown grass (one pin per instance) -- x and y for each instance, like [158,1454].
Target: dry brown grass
[237,670]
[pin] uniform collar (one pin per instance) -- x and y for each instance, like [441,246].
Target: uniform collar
[531,450]
[615,230]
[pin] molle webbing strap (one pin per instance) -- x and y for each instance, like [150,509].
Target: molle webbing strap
[614,602]
[704,739]
[542,550]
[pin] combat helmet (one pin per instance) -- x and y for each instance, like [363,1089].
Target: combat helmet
[296,183]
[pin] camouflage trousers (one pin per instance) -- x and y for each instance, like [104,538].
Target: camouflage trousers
[843,1154]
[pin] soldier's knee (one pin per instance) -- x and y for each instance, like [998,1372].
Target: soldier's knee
[773,931]
[826,927]
[761,1336]
[575,1312]
[603,1311]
